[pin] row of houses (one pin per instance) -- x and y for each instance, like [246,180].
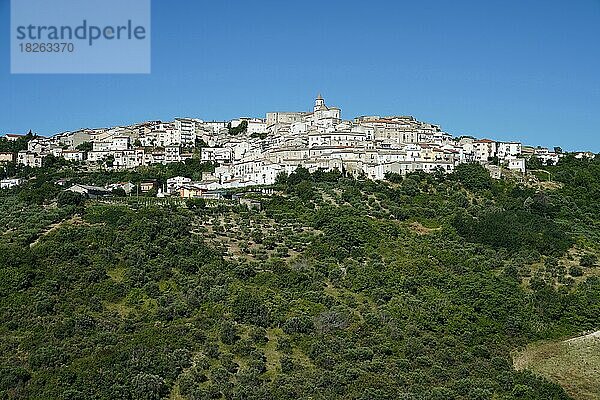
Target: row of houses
[253,151]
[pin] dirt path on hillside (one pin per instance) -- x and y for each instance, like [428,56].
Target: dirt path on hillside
[73,221]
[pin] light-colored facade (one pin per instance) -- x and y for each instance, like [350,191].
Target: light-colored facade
[319,139]
[29,159]
[7,157]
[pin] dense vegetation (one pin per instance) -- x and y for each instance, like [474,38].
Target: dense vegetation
[418,288]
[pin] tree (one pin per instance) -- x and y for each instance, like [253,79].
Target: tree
[473,176]
[228,333]
[575,271]
[533,163]
[393,177]
[299,175]
[68,198]
[199,143]
[17,145]
[241,128]
[281,178]
[305,190]
[195,203]
[119,192]
[50,161]
[588,260]
[259,135]
[249,308]
[110,160]
[85,146]
[148,387]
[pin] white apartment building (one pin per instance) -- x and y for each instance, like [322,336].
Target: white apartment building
[29,159]
[172,154]
[97,156]
[484,149]
[546,156]
[101,146]
[185,131]
[509,150]
[175,184]
[119,143]
[73,155]
[128,158]
[218,155]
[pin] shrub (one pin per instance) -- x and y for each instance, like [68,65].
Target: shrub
[68,198]
[195,203]
[575,271]
[302,324]
[588,260]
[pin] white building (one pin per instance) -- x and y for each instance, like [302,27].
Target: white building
[546,156]
[186,131]
[345,139]
[128,158]
[73,155]
[172,154]
[11,137]
[10,183]
[101,146]
[119,143]
[516,164]
[484,149]
[97,156]
[325,116]
[7,157]
[218,155]
[509,150]
[286,118]
[29,159]
[176,183]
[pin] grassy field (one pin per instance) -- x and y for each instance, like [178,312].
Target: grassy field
[573,363]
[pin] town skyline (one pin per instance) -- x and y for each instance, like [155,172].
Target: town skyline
[491,135]
[249,152]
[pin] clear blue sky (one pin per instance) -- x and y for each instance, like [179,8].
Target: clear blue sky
[524,70]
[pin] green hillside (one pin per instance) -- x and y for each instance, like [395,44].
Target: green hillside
[337,289]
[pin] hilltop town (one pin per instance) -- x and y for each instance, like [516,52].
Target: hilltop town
[322,285]
[240,254]
[254,151]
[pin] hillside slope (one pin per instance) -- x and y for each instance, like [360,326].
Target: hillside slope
[338,288]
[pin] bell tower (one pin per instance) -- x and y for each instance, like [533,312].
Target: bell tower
[319,103]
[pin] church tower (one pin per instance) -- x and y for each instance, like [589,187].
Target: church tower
[319,103]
